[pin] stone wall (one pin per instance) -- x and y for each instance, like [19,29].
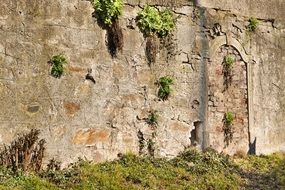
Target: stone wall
[98,121]
[228,94]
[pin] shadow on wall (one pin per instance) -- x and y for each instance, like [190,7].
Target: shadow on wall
[203,89]
[252,147]
[197,134]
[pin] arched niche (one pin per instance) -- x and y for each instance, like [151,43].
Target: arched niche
[224,40]
[214,47]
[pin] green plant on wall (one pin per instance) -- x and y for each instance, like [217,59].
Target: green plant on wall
[253,23]
[227,69]
[167,23]
[152,21]
[108,10]
[164,87]
[152,118]
[228,127]
[229,60]
[57,62]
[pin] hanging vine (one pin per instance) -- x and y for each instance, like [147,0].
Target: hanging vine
[227,70]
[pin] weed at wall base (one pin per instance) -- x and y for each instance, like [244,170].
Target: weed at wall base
[25,153]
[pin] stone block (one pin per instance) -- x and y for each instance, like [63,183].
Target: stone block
[92,136]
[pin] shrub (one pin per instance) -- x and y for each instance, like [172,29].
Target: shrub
[108,10]
[164,89]
[253,23]
[68,175]
[57,62]
[151,21]
[202,162]
[25,153]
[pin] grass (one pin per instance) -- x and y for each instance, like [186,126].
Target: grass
[190,170]
[263,172]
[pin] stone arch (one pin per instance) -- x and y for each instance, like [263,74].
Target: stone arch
[224,40]
[215,48]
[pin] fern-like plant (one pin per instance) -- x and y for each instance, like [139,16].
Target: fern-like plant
[108,10]
[164,87]
[57,62]
[167,23]
[152,21]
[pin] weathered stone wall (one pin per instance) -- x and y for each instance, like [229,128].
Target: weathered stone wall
[228,96]
[97,121]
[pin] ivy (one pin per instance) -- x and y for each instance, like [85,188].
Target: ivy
[57,62]
[108,10]
[152,21]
